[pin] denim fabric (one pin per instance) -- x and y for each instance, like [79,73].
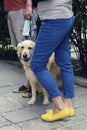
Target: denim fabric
[54,37]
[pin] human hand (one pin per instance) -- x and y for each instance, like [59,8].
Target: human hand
[28,12]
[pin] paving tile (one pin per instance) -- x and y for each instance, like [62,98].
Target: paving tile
[38,124]
[10,127]
[81,81]
[73,120]
[7,105]
[3,121]
[83,110]
[83,96]
[21,115]
[16,114]
[79,102]
[77,126]
[9,74]
[79,91]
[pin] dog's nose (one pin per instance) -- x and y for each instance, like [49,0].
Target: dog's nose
[24,56]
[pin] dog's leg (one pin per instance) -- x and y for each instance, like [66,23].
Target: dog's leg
[33,98]
[46,97]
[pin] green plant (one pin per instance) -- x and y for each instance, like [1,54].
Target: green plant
[4,35]
[80,29]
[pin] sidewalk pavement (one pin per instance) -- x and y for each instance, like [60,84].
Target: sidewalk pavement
[16,114]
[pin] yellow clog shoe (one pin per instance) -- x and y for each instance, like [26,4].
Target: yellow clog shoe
[71,111]
[53,117]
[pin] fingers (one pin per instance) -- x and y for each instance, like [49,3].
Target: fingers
[28,13]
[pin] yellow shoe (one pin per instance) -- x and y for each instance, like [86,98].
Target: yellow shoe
[71,111]
[40,92]
[53,117]
[29,93]
[21,89]
[26,95]
[16,91]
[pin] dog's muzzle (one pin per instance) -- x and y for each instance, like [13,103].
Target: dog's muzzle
[25,57]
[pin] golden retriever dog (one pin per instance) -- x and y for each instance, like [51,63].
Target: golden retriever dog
[24,52]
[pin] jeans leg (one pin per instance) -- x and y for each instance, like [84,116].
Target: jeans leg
[50,36]
[63,60]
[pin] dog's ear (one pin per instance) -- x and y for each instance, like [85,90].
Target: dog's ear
[19,50]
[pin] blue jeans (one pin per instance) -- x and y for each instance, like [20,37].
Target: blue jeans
[54,37]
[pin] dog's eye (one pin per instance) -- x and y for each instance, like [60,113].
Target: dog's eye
[22,47]
[29,48]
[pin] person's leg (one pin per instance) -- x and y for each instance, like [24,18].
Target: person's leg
[63,60]
[17,18]
[11,30]
[33,38]
[18,23]
[51,34]
[34,25]
[33,35]
[14,42]
[23,88]
[27,84]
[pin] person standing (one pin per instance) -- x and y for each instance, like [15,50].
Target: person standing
[57,22]
[18,11]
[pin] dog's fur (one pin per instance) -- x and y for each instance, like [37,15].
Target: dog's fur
[24,52]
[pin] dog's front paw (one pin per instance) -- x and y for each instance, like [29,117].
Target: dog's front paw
[46,101]
[31,101]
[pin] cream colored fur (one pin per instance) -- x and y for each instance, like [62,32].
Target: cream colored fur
[24,52]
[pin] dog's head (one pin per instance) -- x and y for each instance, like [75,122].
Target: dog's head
[25,50]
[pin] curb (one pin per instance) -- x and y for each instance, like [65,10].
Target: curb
[81,81]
